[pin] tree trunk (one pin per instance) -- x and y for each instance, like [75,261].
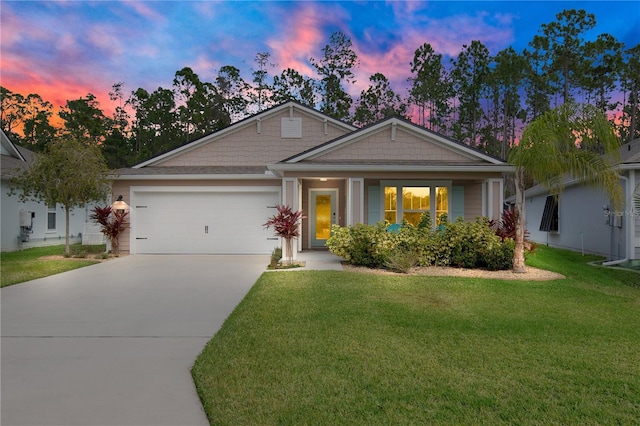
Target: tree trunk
[634,112]
[518,254]
[289,248]
[115,246]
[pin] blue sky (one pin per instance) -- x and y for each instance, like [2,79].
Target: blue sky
[65,49]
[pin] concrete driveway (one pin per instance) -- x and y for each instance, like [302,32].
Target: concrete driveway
[113,343]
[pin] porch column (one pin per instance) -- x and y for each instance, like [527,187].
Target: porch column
[493,197]
[290,197]
[355,201]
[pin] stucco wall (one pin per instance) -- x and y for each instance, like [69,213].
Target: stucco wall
[582,224]
[11,207]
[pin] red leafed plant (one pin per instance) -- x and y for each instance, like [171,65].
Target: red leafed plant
[506,228]
[112,222]
[286,224]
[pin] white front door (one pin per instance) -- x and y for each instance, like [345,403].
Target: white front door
[323,212]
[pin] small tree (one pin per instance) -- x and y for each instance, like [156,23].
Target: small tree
[112,222]
[68,173]
[560,144]
[286,224]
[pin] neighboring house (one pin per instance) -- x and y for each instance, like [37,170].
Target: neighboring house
[582,217]
[32,224]
[213,195]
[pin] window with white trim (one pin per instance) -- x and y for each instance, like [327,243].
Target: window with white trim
[51,218]
[417,198]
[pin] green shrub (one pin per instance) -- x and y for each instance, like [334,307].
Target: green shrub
[339,242]
[276,255]
[460,244]
[402,261]
[363,245]
[425,222]
[474,245]
[500,257]
[370,244]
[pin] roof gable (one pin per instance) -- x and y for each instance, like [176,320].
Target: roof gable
[394,141]
[8,148]
[266,137]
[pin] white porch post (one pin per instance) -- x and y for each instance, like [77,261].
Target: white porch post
[493,198]
[485,198]
[290,197]
[355,201]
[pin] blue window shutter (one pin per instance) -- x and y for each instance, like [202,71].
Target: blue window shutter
[373,205]
[457,203]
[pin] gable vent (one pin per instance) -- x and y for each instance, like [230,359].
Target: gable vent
[292,128]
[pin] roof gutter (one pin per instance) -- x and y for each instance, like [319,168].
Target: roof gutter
[280,167]
[265,176]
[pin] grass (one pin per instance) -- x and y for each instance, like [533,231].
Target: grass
[327,347]
[21,266]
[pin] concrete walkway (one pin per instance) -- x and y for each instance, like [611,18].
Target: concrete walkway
[319,260]
[113,344]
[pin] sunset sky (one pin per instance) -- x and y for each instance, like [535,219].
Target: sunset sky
[65,49]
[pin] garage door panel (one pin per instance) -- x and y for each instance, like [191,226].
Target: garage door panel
[203,222]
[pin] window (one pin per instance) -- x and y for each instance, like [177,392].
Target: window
[442,202]
[549,221]
[390,204]
[417,199]
[415,202]
[51,218]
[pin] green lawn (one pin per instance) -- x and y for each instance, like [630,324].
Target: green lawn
[21,266]
[333,347]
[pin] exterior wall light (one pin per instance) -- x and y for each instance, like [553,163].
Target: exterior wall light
[120,205]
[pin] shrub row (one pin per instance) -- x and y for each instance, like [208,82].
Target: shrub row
[459,244]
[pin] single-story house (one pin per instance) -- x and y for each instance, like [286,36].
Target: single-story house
[583,219]
[31,223]
[213,195]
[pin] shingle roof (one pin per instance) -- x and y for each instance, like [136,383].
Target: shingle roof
[630,152]
[395,162]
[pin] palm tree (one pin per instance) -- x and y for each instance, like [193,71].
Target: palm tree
[569,142]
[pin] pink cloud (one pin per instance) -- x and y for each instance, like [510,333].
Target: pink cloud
[404,8]
[104,38]
[56,84]
[143,9]
[304,36]
[447,36]
[205,9]
[205,67]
